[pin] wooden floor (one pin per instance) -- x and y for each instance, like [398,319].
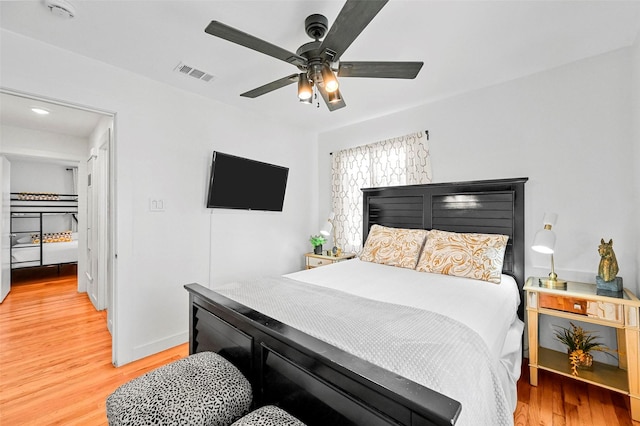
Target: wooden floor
[55,367]
[558,400]
[55,357]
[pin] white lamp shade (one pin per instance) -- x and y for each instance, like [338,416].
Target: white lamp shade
[326,229]
[544,241]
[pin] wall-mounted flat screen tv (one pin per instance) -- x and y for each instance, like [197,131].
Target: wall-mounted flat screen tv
[241,183]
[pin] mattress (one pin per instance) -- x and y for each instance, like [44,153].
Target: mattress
[24,255]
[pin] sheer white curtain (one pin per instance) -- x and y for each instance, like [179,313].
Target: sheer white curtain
[403,160]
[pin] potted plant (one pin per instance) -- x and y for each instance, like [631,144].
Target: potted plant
[317,241]
[579,343]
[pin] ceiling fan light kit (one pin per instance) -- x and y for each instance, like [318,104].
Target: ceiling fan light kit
[334,97]
[328,79]
[305,91]
[314,60]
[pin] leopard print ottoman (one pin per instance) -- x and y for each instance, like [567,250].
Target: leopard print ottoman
[268,415]
[202,389]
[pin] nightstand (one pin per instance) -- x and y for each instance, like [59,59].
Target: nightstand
[312,260]
[582,302]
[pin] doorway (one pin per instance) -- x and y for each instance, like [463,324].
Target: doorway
[75,134]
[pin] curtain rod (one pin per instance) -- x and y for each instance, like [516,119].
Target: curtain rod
[426,132]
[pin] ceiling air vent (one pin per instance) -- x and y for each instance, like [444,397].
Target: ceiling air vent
[194,72]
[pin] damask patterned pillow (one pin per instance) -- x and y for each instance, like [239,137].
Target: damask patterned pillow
[57,237]
[393,246]
[477,256]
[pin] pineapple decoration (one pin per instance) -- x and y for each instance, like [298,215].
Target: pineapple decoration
[579,344]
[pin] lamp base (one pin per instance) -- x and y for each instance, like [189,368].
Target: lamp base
[553,283]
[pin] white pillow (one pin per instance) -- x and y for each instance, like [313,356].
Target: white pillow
[24,240]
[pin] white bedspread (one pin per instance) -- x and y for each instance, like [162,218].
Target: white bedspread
[488,309]
[424,346]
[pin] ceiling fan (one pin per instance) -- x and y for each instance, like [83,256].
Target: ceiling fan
[318,61]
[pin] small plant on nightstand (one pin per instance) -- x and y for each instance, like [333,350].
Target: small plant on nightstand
[317,241]
[579,343]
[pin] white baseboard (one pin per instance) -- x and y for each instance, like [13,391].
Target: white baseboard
[159,345]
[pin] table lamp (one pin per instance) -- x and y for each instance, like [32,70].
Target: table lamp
[544,242]
[329,229]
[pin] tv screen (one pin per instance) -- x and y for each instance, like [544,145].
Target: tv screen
[240,183]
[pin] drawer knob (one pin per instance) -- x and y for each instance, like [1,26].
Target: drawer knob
[577,306]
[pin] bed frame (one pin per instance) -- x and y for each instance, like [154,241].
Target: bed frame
[323,385]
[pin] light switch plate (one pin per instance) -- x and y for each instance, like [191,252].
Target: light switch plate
[156,205]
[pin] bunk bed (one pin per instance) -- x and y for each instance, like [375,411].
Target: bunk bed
[42,229]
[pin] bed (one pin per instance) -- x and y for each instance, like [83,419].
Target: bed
[26,255]
[328,346]
[41,225]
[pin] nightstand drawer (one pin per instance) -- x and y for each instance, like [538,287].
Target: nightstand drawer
[314,262]
[605,310]
[563,303]
[597,309]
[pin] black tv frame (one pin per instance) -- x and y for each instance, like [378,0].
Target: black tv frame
[279,174]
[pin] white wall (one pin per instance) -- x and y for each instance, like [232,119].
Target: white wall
[39,176]
[635,73]
[568,129]
[164,141]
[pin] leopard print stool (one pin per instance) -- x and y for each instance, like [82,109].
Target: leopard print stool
[202,389]
[268,415]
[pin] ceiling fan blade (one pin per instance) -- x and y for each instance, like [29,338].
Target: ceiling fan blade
[226,32]
[352,19]
[332,105]
[380,69]
[270,87]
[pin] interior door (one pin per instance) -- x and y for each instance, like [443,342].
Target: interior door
[105,228]
[92,243]
[5,244]
[101,192]
[98,247]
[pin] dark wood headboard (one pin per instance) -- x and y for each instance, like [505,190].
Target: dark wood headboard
[488,207]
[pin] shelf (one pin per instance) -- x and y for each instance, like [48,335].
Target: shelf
[603,375]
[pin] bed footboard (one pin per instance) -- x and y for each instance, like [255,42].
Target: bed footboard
[312,380]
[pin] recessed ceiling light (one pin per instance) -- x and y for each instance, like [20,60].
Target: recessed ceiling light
[40,111]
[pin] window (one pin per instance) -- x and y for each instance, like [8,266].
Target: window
[403,160]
